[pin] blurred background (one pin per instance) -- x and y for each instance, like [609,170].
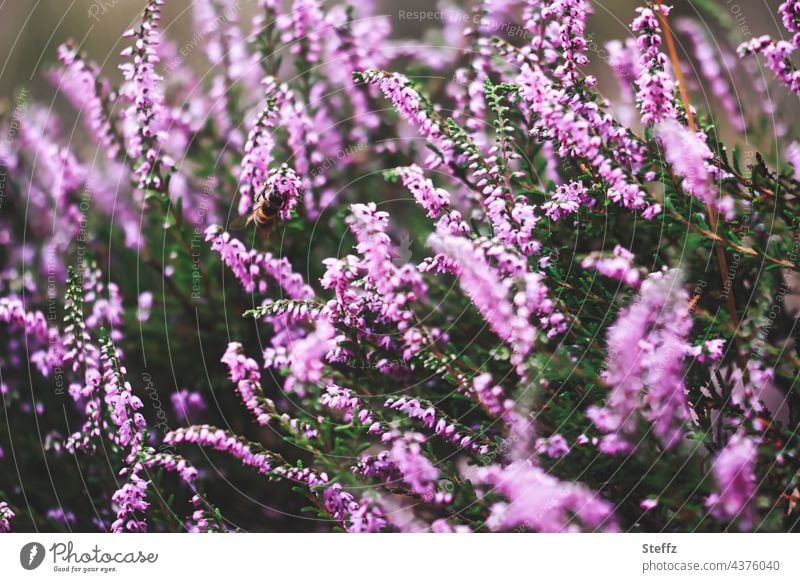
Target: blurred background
[31,30]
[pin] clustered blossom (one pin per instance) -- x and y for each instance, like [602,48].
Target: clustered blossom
[734,471]
[187,405]
[174,464]
[405,463]
[567,199]
[623,58]
[441,426]
[434,200]
[339,398]
[146,118]
[646,349]
[447,386]
[571,16]
[131,502]
[655,87]
[555,446]
[357,517]
[415,110]
[123,404]
[372,283]
[620,266]
[82,85]
[692,159]
[245,373]
[415,469]
[284,183]
[508,314]
[708,351]
[6,515]
[538,501]
[220,440]
[779,53]
[257,157]
[302,28]
[793,157]
[490,395]
[201,521]
[32,323]
[712,71]
[307,356]
[251,267]
[581,129]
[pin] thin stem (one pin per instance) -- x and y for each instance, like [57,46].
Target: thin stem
[712,212]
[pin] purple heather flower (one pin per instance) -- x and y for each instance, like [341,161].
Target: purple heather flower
[58,514]
[712,71]
[790,15]
[708,351]
[80,82]
[556,446]
[285,184]
[356,517]
[122,403]
[623,58]
[146,119]
[307,356]
[246,374]
[130,502]
[432,419]
[585,130]
[174,464]
[372,284]
[357,44]
[32,323]
[6,515]
[223,441]
[779,53]
[567,199]
[485,288]
[508,314]
[540,502]
[188,405]
[433,199]
[415,469]
[223,39]
[302,29]
[338,398]
[257,158]
[734,471]
[646,348]
[250,267]
[571,18]
[655,86]
[778,56]
[619,267]
[145,305]
[414,109]
[793,157]
[490,395]
[691,159]
[444,526]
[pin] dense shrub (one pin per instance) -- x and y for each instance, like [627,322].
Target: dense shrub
[491,299]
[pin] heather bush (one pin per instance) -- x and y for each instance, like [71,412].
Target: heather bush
[477,294]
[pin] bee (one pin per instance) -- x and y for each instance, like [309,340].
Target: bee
[693,302]
[265,215]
